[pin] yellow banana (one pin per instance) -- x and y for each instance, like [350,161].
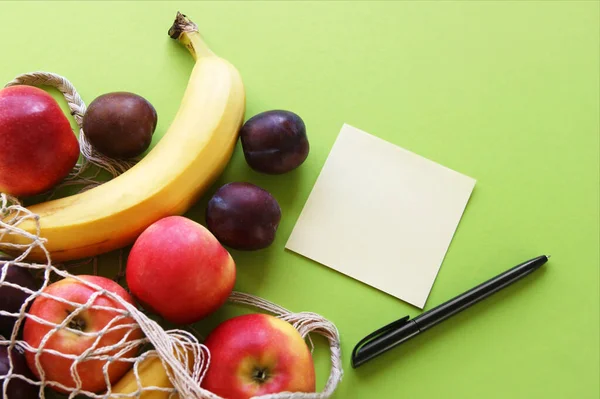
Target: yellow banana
[190,156]
[152,373]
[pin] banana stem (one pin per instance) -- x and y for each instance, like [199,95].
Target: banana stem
[186,32]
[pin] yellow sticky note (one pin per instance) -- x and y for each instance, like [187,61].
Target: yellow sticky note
[382,215]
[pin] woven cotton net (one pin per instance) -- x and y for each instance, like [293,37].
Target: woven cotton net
[131,337]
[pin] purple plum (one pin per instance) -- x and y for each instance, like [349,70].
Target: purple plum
[11,298]
[274,142]
[243,216]
[17,388]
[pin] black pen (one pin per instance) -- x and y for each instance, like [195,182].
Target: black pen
[402,330]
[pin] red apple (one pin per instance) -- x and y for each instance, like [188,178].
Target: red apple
[257,354]
[179,270]
[38,146]
[56,367]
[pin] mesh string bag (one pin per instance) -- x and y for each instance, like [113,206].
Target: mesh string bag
[131,339]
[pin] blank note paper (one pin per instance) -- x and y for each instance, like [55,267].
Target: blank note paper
[381,215]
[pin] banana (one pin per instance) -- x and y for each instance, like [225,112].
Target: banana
[152,373]
[185,162]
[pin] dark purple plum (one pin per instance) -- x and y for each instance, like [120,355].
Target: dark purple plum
[120,124]
[17,388]
[11,298]
[274,142]
[243,216]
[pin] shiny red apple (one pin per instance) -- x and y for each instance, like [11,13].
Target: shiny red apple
[179,270]
[81,333]
[257,354]
[38,146]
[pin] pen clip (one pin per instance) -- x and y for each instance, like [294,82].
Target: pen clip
[392,326]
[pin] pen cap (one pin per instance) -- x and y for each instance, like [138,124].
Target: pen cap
[383,339]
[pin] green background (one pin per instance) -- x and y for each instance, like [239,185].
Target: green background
[505,92]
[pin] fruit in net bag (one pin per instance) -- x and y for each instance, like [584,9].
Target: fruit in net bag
[151,374]
[11,298]
[17,388]
[257,354]
[81,332]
